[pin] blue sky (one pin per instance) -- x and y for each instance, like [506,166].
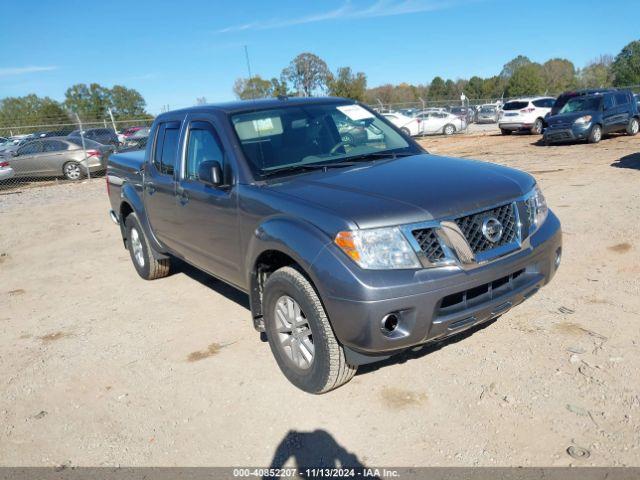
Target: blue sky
[174,52]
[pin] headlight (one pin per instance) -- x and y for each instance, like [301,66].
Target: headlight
[378,249]
[536,208]
[583,120]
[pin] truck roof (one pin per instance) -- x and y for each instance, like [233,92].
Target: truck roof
[261,104]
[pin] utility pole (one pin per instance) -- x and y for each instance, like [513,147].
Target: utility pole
[113,122]
[84,147]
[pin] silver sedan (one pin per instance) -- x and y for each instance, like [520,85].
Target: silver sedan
[58,156]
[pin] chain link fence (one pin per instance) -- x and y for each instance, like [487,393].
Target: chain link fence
[71,149]
[76,147]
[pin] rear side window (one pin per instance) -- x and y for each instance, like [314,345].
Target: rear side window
[622,98]
[203,145]
[515,105]
[166,150]
[544,103]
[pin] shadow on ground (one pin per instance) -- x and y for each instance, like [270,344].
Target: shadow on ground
[213,283]
[316,449]
[628,161]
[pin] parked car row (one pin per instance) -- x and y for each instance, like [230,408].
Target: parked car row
[427,122]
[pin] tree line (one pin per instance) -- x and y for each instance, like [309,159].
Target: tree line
[309,75]
[91,102]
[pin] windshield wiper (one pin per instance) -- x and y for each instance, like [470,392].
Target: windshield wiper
[307,167]
[376,155]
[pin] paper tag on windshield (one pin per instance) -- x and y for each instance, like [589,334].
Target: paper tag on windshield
[355,112]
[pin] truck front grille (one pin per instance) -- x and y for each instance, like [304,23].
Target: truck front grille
[471,227]
[429,244]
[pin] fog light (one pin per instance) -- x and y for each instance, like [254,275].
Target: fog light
[558,257]
[389,322]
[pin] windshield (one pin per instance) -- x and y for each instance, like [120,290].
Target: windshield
[487,110]
[581,104]
[308,135]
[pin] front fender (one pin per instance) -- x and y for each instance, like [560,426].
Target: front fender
[297,239]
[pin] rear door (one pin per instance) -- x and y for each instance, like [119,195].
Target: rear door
[207,216]
[623,108]
[54,155]
[159,183]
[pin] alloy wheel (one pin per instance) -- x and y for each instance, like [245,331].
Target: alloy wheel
[72,171]
[294,332]
[136,245]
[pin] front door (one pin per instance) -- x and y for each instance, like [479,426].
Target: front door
[29,160]
[208,216]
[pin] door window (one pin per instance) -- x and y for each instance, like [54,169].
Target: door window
[30,148]
[622,98]
[54,146]
[203,145]
[166,149]
[608,102]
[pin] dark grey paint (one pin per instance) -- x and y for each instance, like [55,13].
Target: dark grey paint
[223,231]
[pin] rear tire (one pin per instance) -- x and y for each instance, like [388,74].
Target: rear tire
[406,131]
[72,171]
[145,263]
[633,127]
[538,125]
[305,348]
[449,129]
[595,135]
[505,131]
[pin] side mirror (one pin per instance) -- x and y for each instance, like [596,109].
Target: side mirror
[210,172]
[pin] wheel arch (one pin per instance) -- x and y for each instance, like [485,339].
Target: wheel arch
[277,243]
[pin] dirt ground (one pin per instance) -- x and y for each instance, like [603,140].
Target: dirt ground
[98,367]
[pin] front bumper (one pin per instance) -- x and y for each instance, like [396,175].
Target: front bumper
[567,133]
[426,301]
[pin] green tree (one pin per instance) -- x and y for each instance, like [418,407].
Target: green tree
[559,75]
[308,73]
[254,87]
[88,101]
[126,102]
[526,80]
[511,66]
[437,89]
[30,111]
[626,66]
[347,84]
[597,73]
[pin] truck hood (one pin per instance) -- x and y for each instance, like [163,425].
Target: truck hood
[407,190]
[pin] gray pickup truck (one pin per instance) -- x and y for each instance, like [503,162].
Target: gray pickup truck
[352,242]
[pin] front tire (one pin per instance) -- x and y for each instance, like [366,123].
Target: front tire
[300,336]
[145,263]
[595,135]
[633,127]
[406,131]
[504,131]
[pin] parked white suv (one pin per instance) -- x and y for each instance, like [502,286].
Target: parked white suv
[525,114]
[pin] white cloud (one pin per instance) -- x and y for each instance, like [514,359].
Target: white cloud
[379,8]
[8,71]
